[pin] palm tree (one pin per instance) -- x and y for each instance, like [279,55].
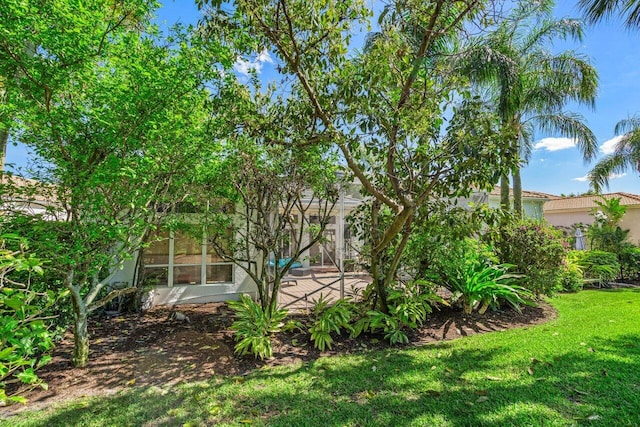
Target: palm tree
[625,156]
[627,152]
[530,85]
[597,10]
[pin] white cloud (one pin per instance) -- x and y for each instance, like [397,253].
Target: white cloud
[264,57]
[612,176]
[555,144]
[609,146]
[247,67]
[617,175]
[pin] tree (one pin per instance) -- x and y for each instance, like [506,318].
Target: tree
[597,10]
[279,201]
[625,156]
[627,151]
[384,108]
[118,117]
[530,85]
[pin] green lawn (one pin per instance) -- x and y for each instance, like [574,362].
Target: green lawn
[580,369]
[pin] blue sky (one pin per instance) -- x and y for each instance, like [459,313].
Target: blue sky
[615,53]
[556,166]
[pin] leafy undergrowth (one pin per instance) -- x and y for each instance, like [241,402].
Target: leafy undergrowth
[582,368]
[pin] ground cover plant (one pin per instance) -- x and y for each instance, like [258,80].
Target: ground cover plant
[581,368]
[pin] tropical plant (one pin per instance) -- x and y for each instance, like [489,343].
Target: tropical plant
[530,84]
[409,305]
[254,327]
[598,267]
[626,154]
[478,286]
[605,234]
[25,338]
[330,318]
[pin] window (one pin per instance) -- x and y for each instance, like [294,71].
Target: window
[175,258]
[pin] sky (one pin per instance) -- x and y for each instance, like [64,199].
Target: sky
[556,166]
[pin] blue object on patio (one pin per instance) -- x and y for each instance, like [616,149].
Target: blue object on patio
[283,261]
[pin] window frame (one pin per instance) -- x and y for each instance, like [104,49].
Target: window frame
[203,265]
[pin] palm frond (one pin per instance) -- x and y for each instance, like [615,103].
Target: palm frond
[551,29]
[627,125]
[571,126]
[597,10]
[602,171]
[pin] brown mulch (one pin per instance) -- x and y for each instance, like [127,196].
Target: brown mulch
[156,349]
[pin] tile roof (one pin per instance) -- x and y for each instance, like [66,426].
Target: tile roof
[17,188]
[525,194]
[588,202]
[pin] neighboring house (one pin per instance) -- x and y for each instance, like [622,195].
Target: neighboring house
[27,196]
[565,212]
[532,201]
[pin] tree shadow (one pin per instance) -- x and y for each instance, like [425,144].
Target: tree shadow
[598,385]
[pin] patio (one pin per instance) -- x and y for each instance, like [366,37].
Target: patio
[298,293]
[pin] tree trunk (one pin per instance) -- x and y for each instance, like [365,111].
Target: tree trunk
[80,317]
[517,192]
[4,138]
[505,204]
[80,341]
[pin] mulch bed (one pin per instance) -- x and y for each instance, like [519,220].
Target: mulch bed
[157,349]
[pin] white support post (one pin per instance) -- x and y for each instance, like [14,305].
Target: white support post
[340,246]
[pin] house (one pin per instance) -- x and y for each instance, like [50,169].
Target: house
[532,201]
[27,196]
[565,212]
[184,270]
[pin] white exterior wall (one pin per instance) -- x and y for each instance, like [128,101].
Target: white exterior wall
[193,294]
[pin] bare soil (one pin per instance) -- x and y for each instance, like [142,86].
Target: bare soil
[157,349]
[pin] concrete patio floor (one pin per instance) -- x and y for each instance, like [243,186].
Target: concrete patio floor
[298,293]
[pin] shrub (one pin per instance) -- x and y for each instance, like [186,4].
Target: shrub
[535,249]
[25,338]
[630,263]
[571,278]
[598,267]
[452,256]
[254,327]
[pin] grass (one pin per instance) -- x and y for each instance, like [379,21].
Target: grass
[581,369]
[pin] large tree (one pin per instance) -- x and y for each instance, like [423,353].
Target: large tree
[530,84]
[118,117]
[398,111]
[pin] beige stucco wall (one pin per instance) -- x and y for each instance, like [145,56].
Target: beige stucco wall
[630,221]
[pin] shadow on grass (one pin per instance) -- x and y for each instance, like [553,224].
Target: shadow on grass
[598,385]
